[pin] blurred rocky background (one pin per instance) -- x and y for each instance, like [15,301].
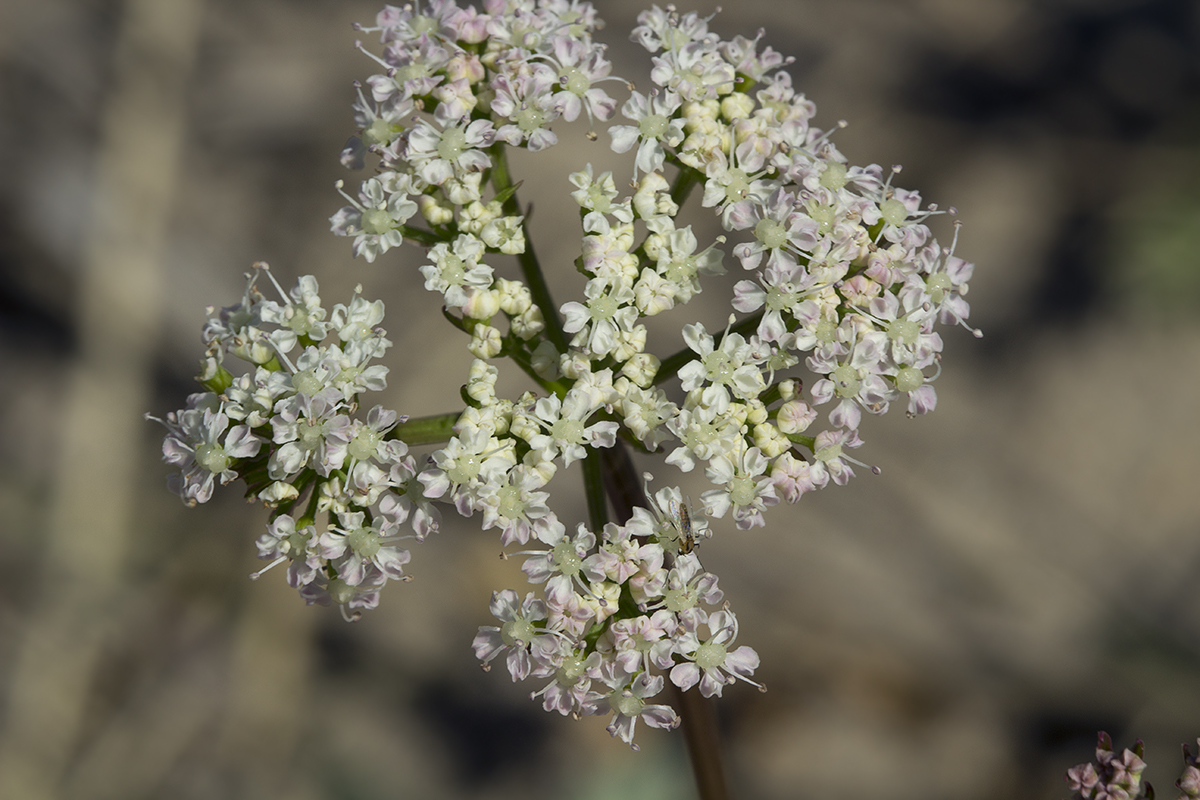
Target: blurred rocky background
[1021,574]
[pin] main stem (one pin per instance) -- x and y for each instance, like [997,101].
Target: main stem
[624,488]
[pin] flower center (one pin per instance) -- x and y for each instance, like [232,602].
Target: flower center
[212,457]
[454,141]
[908,379]
[626,703]
[340,591]
[937,284]
[571,670]
[364,444]
[779,300]
[306,382]
[845,378]
[411,72]
[719,368]
[567,560]
[893,211]
[904,331]
[310,434]
[828,453]
[681,270]
[517,630]
[834,176]
[825,331]
[465,468]
[742,490]
[376,221]
[575,81]
[737,187]
[770,233]
[295,544]
[350,374]
[452,270]
[364,541]
[568,430]
[824,216]
[530,119]
[510,505]
[709,655]
[380,131]
[677,600]
[603,307]
[653,126]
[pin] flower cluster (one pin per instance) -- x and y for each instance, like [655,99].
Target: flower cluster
[843,286]
[614,612]
[288,428]
[1114,777]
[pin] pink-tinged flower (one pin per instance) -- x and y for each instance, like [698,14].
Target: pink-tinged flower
[579,67]
[573,671]
[410,499]
[695,71]
[201,444]
[830,457]
[792,477]
[352,600]
[284,542]
[627,699]
[515,633]
[782,233]
[356,546]
[711,663]
[609,313]
[376,217]
[527,102]
[639,643]
[856,382]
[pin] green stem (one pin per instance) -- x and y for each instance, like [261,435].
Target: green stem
[593,488]
[672,364]
[422,237]
[804,441]
[687,179]
[530,268]
[433,429]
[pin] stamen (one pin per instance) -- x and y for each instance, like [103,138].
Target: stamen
[256,575]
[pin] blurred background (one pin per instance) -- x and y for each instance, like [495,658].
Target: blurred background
[1021,574]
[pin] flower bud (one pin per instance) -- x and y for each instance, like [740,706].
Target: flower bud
[641,369]
[485,342]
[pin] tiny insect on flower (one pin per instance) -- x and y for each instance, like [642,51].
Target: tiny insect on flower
[683,524]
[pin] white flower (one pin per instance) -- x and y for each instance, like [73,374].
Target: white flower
[609,312]
[456,267]
[746,489]
[731,366]
[375,218]
[437,156]
[656,126]
[566,430]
